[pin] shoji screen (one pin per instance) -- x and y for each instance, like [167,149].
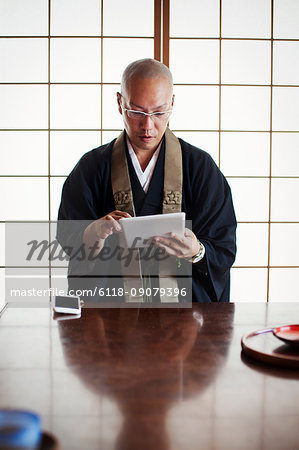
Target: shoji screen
[61,62]
[236,71]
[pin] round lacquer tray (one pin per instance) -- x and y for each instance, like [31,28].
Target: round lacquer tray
[265,347]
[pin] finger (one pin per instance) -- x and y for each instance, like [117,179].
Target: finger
[121,213]
[162,240]
[114,217]
[116,226]
[117,216]
[188,232]
[170,247]
[170,243]
[182,247]
[112,223]
[175,243]
[185,242]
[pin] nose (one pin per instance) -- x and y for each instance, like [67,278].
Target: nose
[147,123]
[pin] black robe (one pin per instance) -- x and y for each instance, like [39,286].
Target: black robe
[206,200]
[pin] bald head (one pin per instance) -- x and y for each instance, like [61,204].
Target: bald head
[145,68]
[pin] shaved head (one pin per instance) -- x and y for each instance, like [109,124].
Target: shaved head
[145,68]
[146,87]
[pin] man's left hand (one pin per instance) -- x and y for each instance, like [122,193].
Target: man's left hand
[178,246]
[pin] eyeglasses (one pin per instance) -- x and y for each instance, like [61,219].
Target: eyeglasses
[137,115]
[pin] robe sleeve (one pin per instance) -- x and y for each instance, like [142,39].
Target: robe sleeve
[214,224]
[79,193]
[77,210]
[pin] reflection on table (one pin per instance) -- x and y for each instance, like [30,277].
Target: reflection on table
[150,378]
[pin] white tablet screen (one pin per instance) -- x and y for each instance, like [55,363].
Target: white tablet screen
[138,230]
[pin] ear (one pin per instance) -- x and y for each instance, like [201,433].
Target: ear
[118,95]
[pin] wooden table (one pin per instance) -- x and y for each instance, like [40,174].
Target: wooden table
[151,378]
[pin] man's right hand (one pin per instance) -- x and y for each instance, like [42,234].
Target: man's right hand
[108,224]
[100,229]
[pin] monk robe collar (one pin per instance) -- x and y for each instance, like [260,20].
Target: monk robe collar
[173,176]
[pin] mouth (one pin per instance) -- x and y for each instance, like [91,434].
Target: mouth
[146,138]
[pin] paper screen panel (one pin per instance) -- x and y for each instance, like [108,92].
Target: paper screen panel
[245,154]
[195,18]
[286,109]
[23,106]
[75,106]
[245,62]
[201,61]
[286,19]
[284,199]
[286,62]
[251,198]
[111,116]
[285,154]
[23,18]
[25,199]
[248,285]
[129,18]
[195,108]
[67,147]
[108,136]
[207,141]
[56,190]
[75,18]
[252,244]
[23,60]
[76,60]
[246,18]
[283,286]
[286,254]
[25,152]
[245,108]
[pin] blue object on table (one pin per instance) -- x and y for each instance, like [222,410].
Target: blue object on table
[19,430]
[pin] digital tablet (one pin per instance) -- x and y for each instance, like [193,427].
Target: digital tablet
[138,230]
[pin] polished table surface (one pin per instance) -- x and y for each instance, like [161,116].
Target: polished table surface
[162,379]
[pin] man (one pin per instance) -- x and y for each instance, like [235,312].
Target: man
[146,171]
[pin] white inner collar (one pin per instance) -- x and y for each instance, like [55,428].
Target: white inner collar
[146,176]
